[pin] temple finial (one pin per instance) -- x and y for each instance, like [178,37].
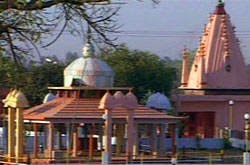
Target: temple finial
[88,35]
[88,49]
[221,3]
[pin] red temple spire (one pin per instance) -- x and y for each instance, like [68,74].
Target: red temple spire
[220,8]
[219,63]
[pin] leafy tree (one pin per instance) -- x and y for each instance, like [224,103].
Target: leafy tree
[177,64]
[26,23]
[33,81]
[71,56]
[42,77]
[139,69]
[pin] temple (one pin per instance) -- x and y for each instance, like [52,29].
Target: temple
[88,120]
[216,91]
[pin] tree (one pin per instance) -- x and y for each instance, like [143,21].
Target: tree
[33,81]
[177,64]
[70,56]
[139,69]
[40,78]
[25,23]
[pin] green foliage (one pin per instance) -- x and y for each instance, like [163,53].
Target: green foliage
[42,77]
[177,64]
[144,99]
[71,56]
[33,81]
[139,69]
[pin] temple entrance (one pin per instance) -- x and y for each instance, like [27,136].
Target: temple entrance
[200,124]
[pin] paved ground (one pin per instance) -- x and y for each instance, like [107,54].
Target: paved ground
[231,156]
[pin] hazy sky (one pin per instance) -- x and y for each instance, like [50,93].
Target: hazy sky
[167,27]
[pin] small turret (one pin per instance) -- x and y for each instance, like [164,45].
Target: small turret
[185,73]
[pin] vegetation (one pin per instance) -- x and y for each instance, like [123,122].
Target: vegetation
[142,70]
[26,25]
[33,81]
[71,56]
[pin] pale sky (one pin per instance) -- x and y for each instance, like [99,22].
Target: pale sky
[167,27]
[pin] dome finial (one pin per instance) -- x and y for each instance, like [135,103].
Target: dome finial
[88,49]
[88,35]
[221,3]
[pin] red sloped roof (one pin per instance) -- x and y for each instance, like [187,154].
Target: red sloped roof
[71,108]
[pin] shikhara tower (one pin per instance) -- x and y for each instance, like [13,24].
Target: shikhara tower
[219,63]
[218,74]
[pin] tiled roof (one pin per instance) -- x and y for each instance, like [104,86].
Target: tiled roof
[83,108]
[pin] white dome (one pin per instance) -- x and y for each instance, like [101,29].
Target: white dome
[49,97]
[89,70]
[158,101]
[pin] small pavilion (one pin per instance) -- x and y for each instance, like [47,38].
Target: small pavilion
[216,91]
[70,127]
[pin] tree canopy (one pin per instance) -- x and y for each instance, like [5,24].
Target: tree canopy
[26,25]
[142,70]
[33,80]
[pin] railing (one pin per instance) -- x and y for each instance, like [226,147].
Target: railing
[144,156]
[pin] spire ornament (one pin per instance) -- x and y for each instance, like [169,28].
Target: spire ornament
[88,50]
[221,3]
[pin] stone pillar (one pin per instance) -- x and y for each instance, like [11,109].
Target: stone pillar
[68,94]
[162,145]
[51,139]
[246,158]
[174,140]
[91,141]
[11,133]
[76,94]
[60,93]
[35,140]
[106,157]
[19,134]
[136,141]
[68,137]
[130,136]
[75,141]
[120,134]
[153,140]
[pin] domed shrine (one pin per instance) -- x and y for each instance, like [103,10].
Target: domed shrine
[89,70]
[158,101]
[88,108]
[49,97]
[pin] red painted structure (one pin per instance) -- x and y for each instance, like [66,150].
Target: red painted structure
[218,75]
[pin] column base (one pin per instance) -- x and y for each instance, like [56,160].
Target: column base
[246,158]
[155,154]
[105,158]
[173,160]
